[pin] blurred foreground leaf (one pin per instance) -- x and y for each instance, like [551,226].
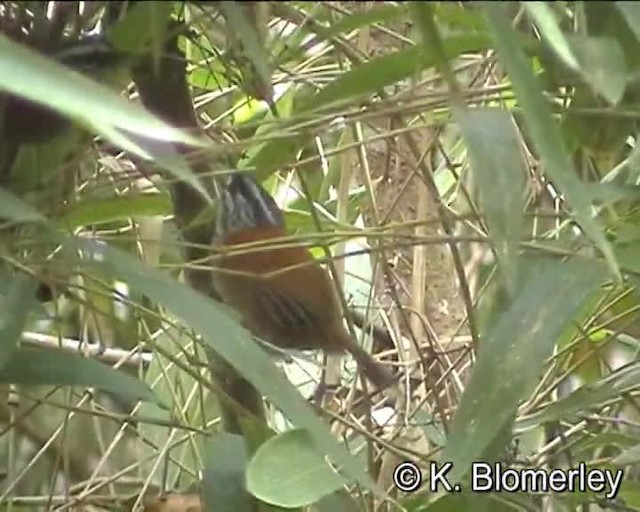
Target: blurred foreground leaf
[48,367]
[510,358]
[222,332]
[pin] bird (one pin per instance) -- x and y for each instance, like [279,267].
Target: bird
[282,293]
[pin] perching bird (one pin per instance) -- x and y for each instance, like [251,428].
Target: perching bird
[282,293]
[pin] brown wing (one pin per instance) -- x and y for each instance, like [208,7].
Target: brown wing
[286,313]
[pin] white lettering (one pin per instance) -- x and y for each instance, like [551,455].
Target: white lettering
[557,480]
[438,475]
[573,475]
[534,480]
[614,483]
[509,480]
[493,477]
[481,477]
[595,481]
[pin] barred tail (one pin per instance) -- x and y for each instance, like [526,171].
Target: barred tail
[380,376]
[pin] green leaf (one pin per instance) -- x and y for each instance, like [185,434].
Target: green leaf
[102,210]
[510,359]
[15,304]
[25,73]
[287,471]
[162,152]
[544,130]
[631,13]
[630,493]
[224,482]
[377,13]
[629,456]
[602,64]
[276,152]
[496,160]
[221,331]
[373,75]
[28,74]
[15,209]
[338,501]
[252,43]
[50,367]
[370,77]
[143,24]
[464,502]
[628,255]
[547,24]
[423,17]
[38,166]
[591,396]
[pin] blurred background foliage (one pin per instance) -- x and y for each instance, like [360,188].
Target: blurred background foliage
[472,168]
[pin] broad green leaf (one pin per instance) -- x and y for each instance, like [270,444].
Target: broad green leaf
[221,331]
[247,110]
[287,471]
[155,427]
[50,367]
[609,193]
[496,161]
[102,210]
[430,426]
[38,169]
[15,304]
[615,440]
[544,130]
[338,501]
[226,459]
[549,294]
[618,20]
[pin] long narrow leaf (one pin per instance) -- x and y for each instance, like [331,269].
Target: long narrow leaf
[15,305]
[25,73]
[544,130]
[549,295]
[224,335]
[49,367]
